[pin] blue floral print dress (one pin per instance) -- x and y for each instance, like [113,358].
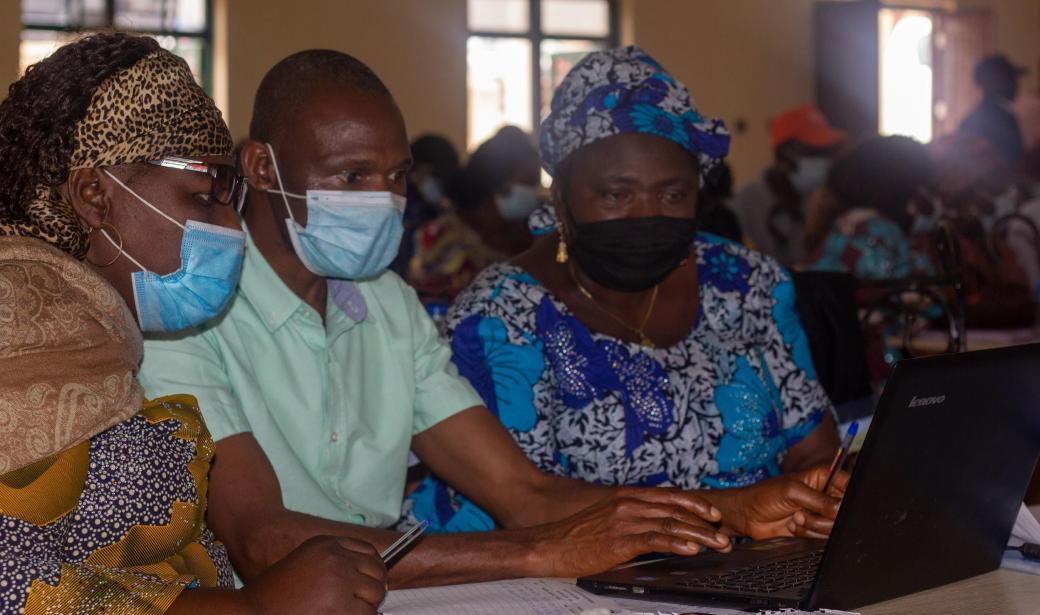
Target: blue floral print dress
[718,409]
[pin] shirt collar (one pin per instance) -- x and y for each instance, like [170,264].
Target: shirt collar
[276,303]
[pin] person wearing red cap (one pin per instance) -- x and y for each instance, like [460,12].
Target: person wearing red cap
[772,209]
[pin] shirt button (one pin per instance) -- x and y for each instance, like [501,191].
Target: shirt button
[334,437]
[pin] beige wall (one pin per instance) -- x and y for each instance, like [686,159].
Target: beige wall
[744,60]
[1017,33]
[10,35]
[418,47]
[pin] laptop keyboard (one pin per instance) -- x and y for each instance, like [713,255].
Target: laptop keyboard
[764,578]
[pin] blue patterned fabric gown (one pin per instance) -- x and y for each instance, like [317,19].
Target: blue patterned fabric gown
[718,409]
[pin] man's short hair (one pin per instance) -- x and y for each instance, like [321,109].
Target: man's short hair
[300,75]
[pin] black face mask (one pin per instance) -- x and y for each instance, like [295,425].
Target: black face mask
[631,254]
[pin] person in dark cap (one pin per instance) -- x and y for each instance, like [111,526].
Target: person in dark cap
[993,120]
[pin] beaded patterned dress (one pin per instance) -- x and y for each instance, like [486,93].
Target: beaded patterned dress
[718,409]
[114,524]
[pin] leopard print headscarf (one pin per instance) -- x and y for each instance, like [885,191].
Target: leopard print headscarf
[150,110]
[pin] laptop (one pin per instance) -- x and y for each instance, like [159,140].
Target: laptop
[933,498]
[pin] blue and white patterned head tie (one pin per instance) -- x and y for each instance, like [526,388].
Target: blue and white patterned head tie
[624,90]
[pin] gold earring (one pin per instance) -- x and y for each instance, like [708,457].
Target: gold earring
[561,251]
[118,246]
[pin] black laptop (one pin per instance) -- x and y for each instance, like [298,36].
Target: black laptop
[933,498]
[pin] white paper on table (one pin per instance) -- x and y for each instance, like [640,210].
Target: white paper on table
[533,597]
[519,597]
[1027,528]
[640,607]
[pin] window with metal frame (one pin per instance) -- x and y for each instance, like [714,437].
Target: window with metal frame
[518,51]
[182,26]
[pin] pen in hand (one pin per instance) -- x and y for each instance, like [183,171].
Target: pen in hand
[839,456]
[402,543]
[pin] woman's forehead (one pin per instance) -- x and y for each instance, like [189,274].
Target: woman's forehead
[640,154]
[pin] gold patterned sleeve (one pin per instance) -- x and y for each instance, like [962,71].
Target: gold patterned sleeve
[113,525]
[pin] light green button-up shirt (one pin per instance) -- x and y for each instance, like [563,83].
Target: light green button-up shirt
[333,406]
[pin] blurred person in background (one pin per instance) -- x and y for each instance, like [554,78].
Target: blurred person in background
[993,120]
[487,222]
[772,209]
[714,213]
[865,217]
[978,191]
[434,163]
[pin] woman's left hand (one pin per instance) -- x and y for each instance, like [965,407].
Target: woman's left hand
[787,505]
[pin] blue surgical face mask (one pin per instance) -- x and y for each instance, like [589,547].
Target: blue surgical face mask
[810,174]
[211,263]
[430,189]
[518,203]
[349,234]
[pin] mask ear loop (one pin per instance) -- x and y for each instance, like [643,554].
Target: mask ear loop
[142,199]
[281,187]
[119,246]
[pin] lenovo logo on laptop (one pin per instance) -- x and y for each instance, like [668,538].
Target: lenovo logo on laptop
[917,402]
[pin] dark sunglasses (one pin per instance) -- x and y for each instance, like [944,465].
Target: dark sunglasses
[227,185]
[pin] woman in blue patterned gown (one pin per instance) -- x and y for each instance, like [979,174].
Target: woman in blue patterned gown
[624,348]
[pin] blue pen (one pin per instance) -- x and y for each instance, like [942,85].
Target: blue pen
[839,456]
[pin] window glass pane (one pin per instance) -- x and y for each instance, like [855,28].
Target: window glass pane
[187,16]
[180,15]
[191,49]
[576,17]
[499,15]
[906,74]
[38,44]
[498,84]
[73,13]
[558,56]
[139,14]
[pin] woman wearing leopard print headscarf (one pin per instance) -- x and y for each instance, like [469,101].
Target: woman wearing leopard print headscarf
[115,217]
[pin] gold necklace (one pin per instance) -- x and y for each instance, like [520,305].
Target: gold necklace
[639,331]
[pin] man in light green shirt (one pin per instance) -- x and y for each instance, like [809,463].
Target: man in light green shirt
[315,387]
[320,397]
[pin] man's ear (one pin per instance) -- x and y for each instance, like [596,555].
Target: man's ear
[89,199]
[254,161]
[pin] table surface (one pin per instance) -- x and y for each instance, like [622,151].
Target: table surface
[1001,592]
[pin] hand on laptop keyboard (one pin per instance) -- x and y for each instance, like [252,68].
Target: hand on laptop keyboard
[628,523]
[788,505]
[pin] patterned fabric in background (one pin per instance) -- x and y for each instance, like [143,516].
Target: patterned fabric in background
[870,247]
[448,254]
[624,90]
[718,409]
